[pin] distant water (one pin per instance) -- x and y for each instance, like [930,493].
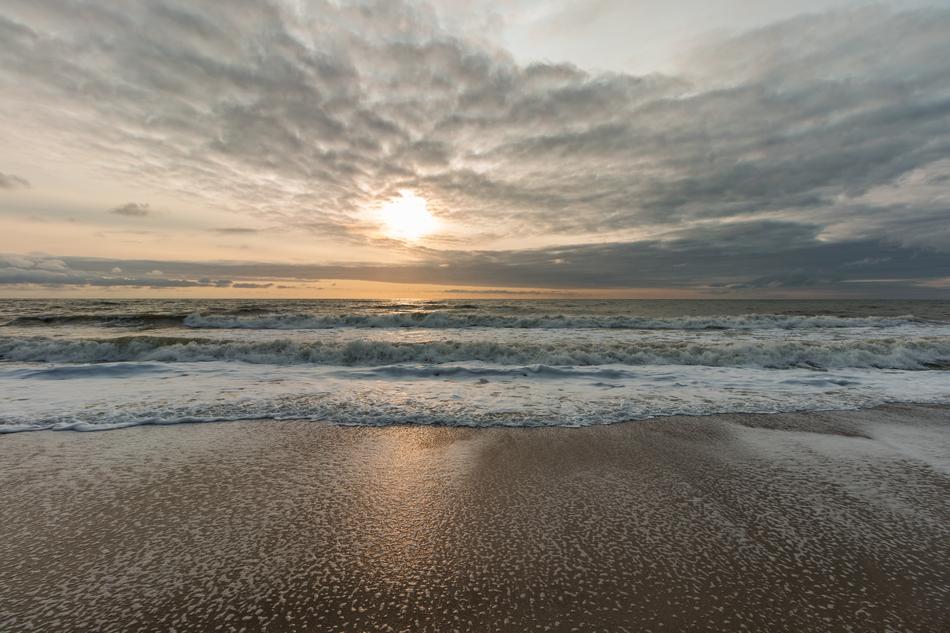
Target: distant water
[91,365]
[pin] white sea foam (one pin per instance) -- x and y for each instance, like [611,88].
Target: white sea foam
[465,395]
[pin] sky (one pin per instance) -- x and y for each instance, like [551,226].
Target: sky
[394,148]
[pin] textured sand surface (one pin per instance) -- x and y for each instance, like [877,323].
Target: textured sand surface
[792,522]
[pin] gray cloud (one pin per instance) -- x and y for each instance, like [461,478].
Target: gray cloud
[17,276]
[822,137]
[10,181]
[50,272]
[132,210]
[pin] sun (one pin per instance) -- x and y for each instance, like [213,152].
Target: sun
[407,217]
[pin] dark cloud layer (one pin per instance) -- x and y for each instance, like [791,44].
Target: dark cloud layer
[774,257]
[825,138]
[50,272]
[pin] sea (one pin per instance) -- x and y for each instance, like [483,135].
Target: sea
[90,365]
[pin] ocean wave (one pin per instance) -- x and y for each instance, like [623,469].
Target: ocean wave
[98,370]
[883,353]
[254,318]
[101,320]
[445,320]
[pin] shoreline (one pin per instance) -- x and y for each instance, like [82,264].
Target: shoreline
[824,521]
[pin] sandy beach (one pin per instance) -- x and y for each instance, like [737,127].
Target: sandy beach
[836,521]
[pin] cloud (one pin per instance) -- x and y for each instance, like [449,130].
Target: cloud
[50,264]
[132,210]
[245,284]
[17,276]
[821,135]
[53,272]
[9,181]
[17,261]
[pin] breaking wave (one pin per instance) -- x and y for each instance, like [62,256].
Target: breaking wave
[883,353]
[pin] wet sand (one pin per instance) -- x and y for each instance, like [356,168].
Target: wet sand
[792,522]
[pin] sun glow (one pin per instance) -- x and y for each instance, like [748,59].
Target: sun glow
[407,217]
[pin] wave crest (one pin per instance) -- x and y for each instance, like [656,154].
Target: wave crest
[884,353]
